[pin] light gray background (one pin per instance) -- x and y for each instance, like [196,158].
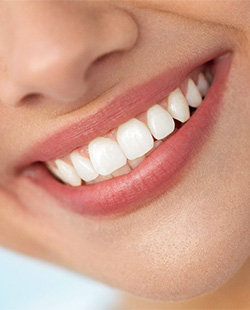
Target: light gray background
[28,284]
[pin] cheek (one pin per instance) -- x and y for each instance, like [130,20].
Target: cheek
[196,237]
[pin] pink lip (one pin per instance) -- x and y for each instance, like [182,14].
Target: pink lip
[156,174]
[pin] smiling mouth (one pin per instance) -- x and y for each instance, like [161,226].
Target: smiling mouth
[114,171]
[122,149]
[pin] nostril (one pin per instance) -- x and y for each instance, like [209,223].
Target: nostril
[108,59]
[28,99]
[105,56]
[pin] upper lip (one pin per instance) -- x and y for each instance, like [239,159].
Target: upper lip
[114,112]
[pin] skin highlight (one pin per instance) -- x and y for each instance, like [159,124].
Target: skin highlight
[191,240]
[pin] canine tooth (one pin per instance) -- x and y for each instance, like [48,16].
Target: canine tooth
[178,106]
[106,155]
[193,95]
[134,138]
[83,167]
[160,122]
[202,84]
[67,173]
[55,171]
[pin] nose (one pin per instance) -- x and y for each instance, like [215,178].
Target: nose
[51,46]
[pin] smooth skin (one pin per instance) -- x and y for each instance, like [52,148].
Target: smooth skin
[193,239]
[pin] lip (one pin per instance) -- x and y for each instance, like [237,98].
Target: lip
[157,173]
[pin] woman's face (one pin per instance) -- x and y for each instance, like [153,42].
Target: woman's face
[177,225]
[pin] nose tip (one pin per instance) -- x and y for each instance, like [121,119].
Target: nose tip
[54,63]
[57,74]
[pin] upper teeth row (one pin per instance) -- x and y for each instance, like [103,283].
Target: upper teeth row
[133,139]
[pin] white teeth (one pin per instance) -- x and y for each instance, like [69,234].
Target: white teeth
[110,158]
[83,167]
[178,106]
[202,84]
[193,95]
[67,173]
[134,138]
[106,155]
[160,122]
[54,170]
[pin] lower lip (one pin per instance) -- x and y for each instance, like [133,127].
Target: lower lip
[155,175]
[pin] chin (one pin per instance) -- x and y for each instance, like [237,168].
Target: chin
[184,274]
